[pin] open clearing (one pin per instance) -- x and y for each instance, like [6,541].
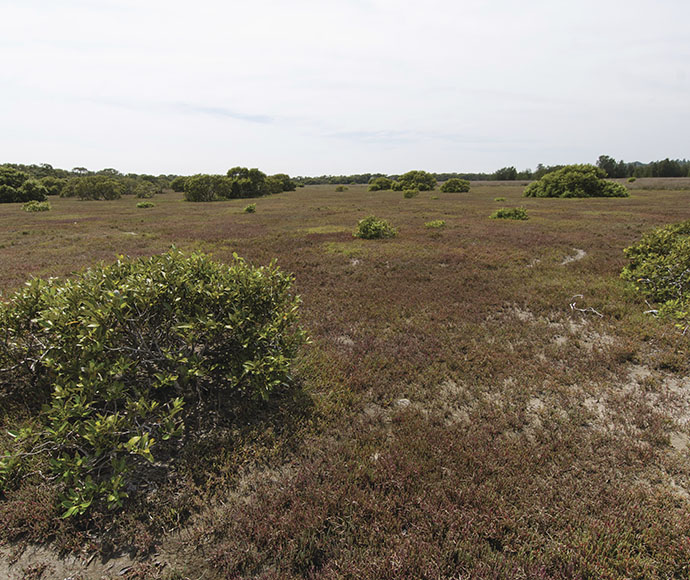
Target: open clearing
[454,416]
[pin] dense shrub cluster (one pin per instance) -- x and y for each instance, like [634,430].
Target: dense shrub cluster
[510,213]
[381,184]
[576,181]
[417,179]
[239,182]
[110,360]
[455,185]
[17,187]
[660,268]
[145,204]
[93,187]
[372,227]
[410,193]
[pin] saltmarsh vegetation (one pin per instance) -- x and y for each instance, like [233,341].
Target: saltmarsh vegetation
[510,213]
[371,228]
[239,182]
[111,362]
[659,268]
[36,206]
[576,181]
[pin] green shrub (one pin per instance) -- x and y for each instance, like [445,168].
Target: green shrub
[35,206]
[251,208]
[110,361]
[659,269]
[340,188]
[576,181]
[435,224]
[434,197]
[177,184]
[145,204]
[632,179]
[204,187]
[93,187]
[417,179]
[455,185]
[381,184]
[410,193]
[499,198]
[510,213]
[372,227]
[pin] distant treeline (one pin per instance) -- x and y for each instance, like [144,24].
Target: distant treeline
[664,168]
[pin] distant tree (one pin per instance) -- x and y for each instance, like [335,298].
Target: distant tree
[287,183]
[273,184]
[32,190]
[93,187]
[177,184]
[247,182]
[12,182]
[506,174]
[204,187]
[417,179]
[80,170]
[455,185]
[576,181]
[380,184]
[53,185]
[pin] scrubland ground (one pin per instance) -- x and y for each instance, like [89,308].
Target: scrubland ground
[485,400]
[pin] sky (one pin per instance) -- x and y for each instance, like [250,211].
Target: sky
[312,87]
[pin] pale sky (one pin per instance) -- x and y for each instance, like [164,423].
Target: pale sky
[311,87]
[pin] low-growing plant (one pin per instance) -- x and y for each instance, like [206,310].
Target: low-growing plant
[455,185]
[435,224]
[434,197]
[35,206]
[251,208]
[410,193]
[341,188]
[145,204]
[372,227]
[499,198]
[510,213]
[109,362]
[659,268]
[632,179]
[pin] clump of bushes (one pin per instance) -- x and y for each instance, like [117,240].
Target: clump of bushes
[372,227]
[455,185]
[417,179]
[435,224]
[93,187]
[632,179]
[239,182]
[110,361]
[36,206]
[340,188]
[576,181]
[145,204]
[659,268]
[510,213]
[251,208]
[410,193]
[381,184]
[17,187]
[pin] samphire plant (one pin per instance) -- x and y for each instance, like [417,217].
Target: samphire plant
[510,213]
[108,363]
[659,268]
[372,227]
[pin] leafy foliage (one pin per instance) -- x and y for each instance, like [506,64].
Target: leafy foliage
[659,268]
[109,361]
[576,181]
[145,204]
[435,224]
[36,206]
[177,184]
[415,179]
[93,187]
[16,186]
[372,227]
[510,213]
[455,185]
[410,193]
[381,184]
[251,208]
